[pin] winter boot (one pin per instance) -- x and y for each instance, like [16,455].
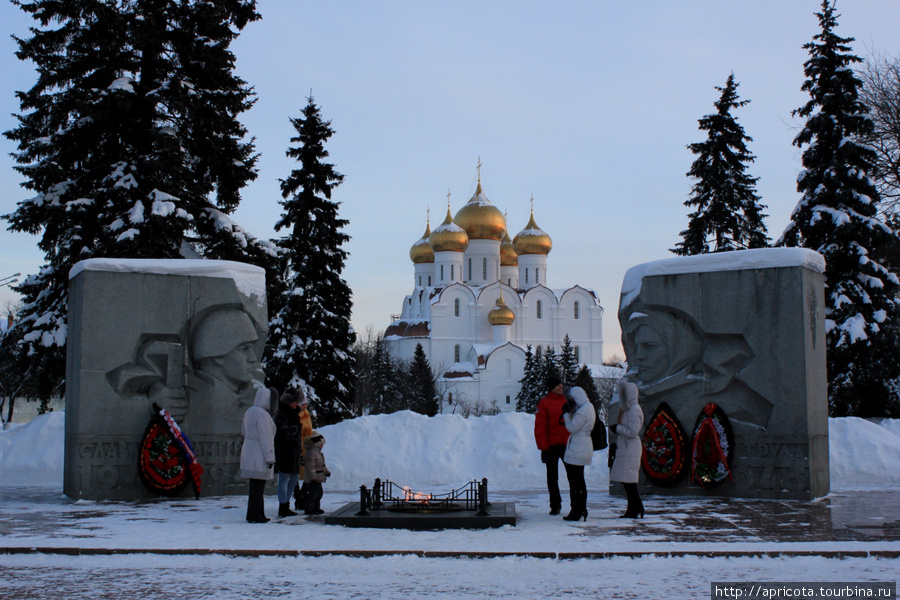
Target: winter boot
[284,510]
[579,506]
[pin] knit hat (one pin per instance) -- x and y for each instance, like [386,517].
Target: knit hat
[553,381]
[301,396]
[288,398]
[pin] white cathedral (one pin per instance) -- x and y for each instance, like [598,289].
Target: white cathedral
[480,298]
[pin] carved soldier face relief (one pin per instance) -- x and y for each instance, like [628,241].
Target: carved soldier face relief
[237,367]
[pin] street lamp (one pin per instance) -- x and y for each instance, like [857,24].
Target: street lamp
[9,280]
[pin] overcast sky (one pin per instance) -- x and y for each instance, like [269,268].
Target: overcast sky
[587,106]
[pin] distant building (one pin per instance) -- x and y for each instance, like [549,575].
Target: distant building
[480,298]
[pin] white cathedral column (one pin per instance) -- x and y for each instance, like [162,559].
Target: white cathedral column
[532,270]
[509,274]
[502,333]
[424,274]
[482,262]
[448,267]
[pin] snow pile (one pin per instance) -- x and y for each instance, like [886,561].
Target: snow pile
[863,454]
[443,452]
[447,451]
[33,453]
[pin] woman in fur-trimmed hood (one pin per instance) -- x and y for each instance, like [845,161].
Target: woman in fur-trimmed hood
[579,418]
[258,450]
[627,463]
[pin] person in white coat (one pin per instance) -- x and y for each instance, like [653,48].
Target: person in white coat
[579,419]
[627,463]
[258,451]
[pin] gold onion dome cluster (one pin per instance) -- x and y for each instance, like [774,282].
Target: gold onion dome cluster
[501,314]
[481,219]
[532,240]
[448,236]
[421,251]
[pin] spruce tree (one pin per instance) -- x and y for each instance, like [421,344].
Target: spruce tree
[568,366]
[383,381]
[310,338]
[532,389]
[422,389]
[550,362]
[728,214]
[130,145]
[585,380]
[837,217]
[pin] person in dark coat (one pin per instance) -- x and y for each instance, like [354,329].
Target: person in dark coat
[551,435]
[287,450]
[258,450]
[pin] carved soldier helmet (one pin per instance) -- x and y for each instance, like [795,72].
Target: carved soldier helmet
[221,331]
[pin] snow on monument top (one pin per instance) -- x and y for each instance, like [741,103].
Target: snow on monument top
[249,279]
[739,260]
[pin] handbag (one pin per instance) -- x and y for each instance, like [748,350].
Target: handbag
[598,435]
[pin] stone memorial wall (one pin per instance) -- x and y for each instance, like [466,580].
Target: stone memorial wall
[742,332]
[187,335]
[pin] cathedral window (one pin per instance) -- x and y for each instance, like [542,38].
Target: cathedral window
[507,399]
[540,309]
[442,272]
[456,307]
[575,308]
[429,281]
[484,269]
[420,281]
[470,270]
[537,275]
[577,354]
[452,272]
[456,353]
[526,276]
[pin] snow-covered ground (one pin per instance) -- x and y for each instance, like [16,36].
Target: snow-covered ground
[402,447]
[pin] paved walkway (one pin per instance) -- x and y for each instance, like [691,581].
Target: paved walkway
[38,522]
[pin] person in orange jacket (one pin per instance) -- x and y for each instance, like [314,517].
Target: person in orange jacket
[306,429]
[551,435]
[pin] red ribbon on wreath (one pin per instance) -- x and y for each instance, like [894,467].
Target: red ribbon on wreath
[195,469]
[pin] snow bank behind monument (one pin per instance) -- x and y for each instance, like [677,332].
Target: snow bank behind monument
[439,453]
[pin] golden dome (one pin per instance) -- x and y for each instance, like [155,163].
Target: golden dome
[508,256]
[421,252]
[481,219]
[448,236]
[532,240]
[501,314]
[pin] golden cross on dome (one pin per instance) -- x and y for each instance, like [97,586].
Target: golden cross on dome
[479,169]
[448,198]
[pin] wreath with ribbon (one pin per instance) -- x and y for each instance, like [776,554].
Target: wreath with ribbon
[665,456]
[166,459]
[712,448]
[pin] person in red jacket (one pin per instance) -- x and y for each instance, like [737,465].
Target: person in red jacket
[551,435]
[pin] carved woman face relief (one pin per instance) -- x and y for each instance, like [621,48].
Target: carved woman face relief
[651,355]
